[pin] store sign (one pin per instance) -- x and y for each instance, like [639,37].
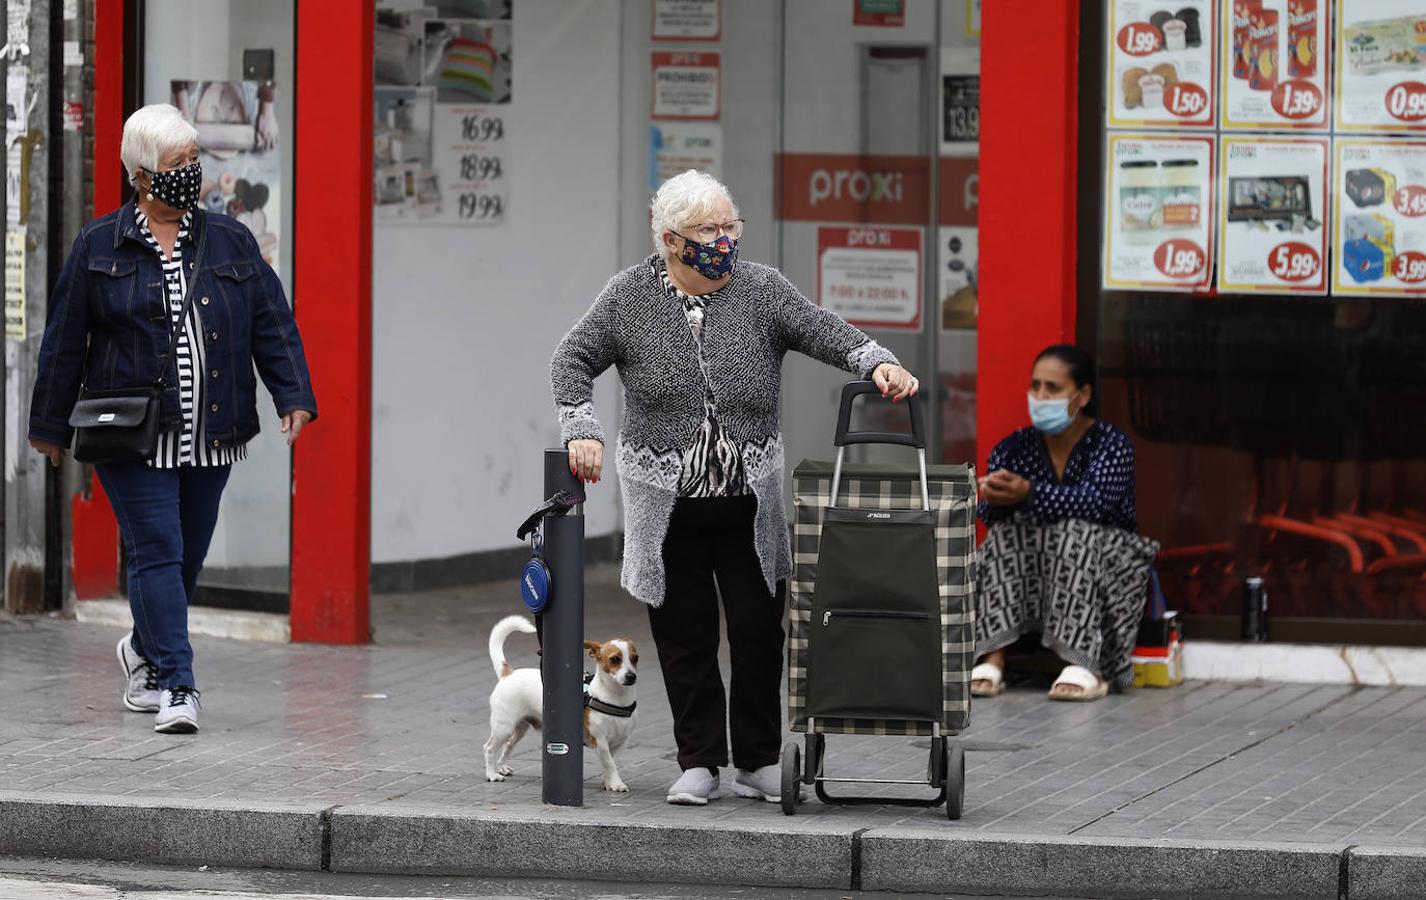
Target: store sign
[1381,65]
[687,20]
[1272,220]
[893,190]
[1378,237]
[675,147]
[686,85]
[870,275]
[884,13]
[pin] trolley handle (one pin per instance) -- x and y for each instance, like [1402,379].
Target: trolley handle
[853,389]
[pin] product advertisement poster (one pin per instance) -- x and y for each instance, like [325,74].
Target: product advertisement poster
[1274,72]
[1272,215]
[1159,212]
[441,112]
[1379,227]
[676,147]
[687,20]
[960,101]
[238,147]
[870,275]
[1381,65]
[686,85]
[1161,57]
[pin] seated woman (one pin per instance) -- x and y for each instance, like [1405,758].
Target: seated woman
[1063,556]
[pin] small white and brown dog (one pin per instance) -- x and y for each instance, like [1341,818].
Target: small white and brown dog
[609,701]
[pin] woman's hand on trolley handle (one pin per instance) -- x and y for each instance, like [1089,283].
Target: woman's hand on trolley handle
[586,460]
[895,382]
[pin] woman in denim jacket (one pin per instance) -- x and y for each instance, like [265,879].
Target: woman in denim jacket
[117,301]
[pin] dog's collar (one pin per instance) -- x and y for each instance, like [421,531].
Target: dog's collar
[609,709]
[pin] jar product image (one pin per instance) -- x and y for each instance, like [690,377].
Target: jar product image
[1182,194]
[1151,90]
[1140,207]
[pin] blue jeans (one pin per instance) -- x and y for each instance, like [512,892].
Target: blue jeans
[167,517]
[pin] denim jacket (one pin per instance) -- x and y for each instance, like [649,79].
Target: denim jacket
[109,325]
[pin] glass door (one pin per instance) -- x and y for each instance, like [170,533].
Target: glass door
[228,64]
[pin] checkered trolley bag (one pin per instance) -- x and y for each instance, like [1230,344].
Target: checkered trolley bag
[882,615]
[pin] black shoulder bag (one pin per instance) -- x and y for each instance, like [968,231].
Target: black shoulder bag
[122,425]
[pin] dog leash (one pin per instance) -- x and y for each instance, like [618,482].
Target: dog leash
[535,580]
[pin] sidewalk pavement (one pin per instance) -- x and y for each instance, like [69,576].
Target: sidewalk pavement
[368,759]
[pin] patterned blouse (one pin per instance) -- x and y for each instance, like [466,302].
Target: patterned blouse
[1097,485]
[713,466]
[188,445]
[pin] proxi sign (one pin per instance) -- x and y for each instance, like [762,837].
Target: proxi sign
[871,275]
[887,190]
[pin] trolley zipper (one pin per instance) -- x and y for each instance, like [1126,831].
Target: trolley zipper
[869,614]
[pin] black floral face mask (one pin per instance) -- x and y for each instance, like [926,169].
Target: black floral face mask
[177,188]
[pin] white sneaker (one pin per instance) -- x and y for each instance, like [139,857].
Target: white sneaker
[141,692]
[695,787]
[178,711]
[759,784]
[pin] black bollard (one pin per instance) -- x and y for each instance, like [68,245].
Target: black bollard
[563,662]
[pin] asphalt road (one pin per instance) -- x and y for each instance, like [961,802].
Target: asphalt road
[37,879]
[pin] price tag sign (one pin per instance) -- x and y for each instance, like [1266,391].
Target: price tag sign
[472,144]
[1379,232]
[870,275]
[1275,67]
[1273,214]
[1161,64]
[1381,66]
[1159,212]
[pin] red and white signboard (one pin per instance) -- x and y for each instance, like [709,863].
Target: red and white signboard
[883,13]
[687,20]
[1379,213]
[1273,215]
[1159,212]
[1275,69]
[686,86]
[1381,65]
[870,275]
[1161,64]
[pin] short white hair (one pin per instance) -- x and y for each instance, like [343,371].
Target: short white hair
[685,199]
[150,134]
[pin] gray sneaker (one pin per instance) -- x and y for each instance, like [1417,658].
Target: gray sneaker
[141,692]
[178,711]
[759,784]
[695,787]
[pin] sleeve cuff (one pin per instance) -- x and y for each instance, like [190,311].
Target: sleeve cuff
[578,423]
[864,358]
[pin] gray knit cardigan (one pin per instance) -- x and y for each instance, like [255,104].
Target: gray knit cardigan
[634,326]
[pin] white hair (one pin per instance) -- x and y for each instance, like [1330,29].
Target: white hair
[685,199]
[150,134]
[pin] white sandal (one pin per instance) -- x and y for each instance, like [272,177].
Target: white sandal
[991,674]
[1090,685]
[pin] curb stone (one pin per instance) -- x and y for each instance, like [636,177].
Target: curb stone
[179,832]
[939,861]
[1386,873]
[391,840]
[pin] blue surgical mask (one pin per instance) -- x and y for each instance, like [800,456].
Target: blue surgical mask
[1051,416]
[712,261]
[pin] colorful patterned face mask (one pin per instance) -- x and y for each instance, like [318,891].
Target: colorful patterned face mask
[177,188]
[712,261]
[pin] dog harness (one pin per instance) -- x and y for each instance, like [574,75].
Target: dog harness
[598,705]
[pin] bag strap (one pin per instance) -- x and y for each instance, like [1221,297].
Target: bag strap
[200,220]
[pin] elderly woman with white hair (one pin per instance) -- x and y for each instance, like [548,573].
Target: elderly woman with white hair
[160,300]
[698,338]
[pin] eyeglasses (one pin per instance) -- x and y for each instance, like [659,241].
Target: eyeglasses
[708,232]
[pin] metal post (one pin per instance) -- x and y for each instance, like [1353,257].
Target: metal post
[563,660]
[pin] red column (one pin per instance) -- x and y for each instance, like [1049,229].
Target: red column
[331,467]
[1028,129]
[94,533]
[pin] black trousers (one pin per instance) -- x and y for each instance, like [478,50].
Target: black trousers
[709,551]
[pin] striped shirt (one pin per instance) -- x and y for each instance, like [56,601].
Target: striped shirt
[713,466]
[188,445]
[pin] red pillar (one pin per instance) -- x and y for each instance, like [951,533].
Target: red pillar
[331,466]
[1028,132]
[94,532]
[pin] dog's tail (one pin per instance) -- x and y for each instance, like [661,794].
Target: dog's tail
[502,630]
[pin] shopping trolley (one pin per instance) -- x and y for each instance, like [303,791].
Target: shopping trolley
[882,613]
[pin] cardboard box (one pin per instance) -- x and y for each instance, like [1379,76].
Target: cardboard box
[1158,666]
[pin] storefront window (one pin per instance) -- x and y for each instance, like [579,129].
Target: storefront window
[1258,306]
[229,66]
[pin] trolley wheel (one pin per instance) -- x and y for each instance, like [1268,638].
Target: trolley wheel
[955,757]
[936,766]
[791,774]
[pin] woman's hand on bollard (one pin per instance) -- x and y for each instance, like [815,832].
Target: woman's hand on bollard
[586,460]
